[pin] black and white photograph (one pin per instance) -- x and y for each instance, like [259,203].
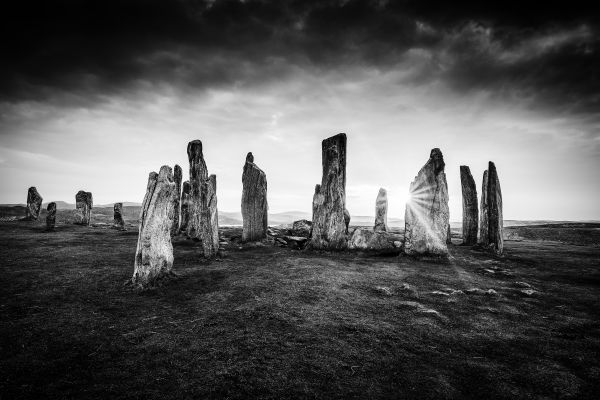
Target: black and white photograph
[294,199]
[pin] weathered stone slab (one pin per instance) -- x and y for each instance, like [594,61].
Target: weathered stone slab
[330,217]
[427,215]
[34,204]
[83,204]
[381,206]
[154,253]
[492,225]
[51,217]
[118,216]
[301,227]
[185,207]
[367,239]
[177,176]
[254,202]
[469,206]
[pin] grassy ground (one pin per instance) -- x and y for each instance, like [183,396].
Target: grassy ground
[272,322]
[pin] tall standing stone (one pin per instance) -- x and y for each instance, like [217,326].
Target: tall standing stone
[203,222]
[330,217]
[254,202]
[34,204]
[154,252]
[427,215]
[177,176]
[83,204]
[185,207]
[492,224]
[470,208]
[381,206]
[51,217]
[118,216]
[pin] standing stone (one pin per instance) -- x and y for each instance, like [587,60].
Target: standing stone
[254,202]
[154,253]
[185,207]
[449,235]
[483,217]
[118,216]
[492,224]
[427,215]
[469,205]
[330,217]
[84,204]
[203,221]
[177,176]
[34,204]
[381,206]
[51,217]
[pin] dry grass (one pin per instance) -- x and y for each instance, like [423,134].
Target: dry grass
[270,322]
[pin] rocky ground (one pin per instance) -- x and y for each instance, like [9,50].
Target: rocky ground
[270,320]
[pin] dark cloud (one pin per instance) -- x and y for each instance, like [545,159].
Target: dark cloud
[96,47]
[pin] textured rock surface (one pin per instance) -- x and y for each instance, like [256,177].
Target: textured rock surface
[381,206]
[330,217]
[469,206]
[34,204]
[203,215]
[427,214]
[83,204]
[51,217]
[118,216]
[154,253]
[254,202]
[492,225]
[177,176]
[301,228]
[367,239]
[185,206]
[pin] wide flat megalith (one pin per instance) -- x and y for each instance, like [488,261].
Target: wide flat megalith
[34,204]
[83,204]
[330,217]
[427,214]
[154,252]
[491,224]
[254,202]
[469,206]
[203,215]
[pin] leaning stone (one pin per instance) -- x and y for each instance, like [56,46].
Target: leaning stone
[427,214]
[34,204]
[254,202]
[381,206]
[118,216]
[177,174]
[83,211]
[154,253]
[51,217]
[330,217]
[185,207]
[469,206]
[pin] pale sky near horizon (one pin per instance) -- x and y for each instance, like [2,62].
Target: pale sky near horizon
[467,87]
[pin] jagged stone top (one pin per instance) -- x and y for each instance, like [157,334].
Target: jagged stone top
[437,158]
[250,157]
[194,146]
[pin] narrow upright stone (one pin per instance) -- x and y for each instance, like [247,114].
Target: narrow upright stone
[118,216]
[381,206]
[203,221]
[51,217]
[470,209]
[427,214]
[34,204]
[185,207]
[330,217]
[254,202]
[154,253]
[492,223]
[84,204]
[177,176]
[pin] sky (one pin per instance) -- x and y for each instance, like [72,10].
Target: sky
[96,94]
